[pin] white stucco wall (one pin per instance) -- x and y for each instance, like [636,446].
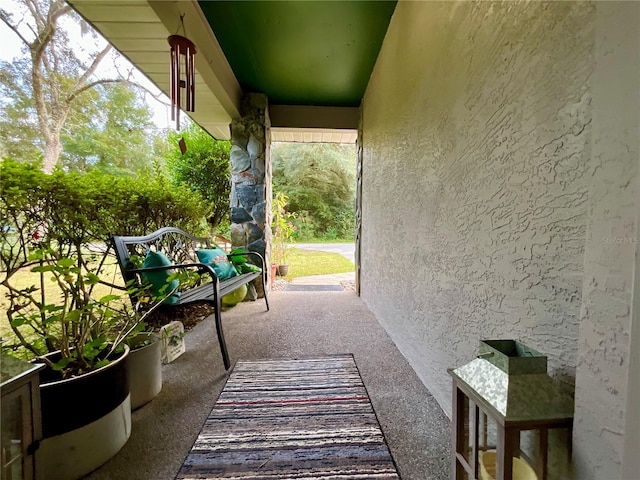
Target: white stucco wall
[630,457]
[476,143]
[606,375]
[478,178]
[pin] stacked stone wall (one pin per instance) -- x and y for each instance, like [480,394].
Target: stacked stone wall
[250,175]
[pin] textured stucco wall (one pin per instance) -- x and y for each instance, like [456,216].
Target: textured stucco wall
[605,372]
[489,201]
[476,127]
[630,457]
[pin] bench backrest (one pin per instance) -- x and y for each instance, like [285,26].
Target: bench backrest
[176,244]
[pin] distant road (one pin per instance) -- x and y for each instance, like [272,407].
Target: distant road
[347,250]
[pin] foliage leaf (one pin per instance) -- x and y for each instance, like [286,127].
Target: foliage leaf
[108,298]
[43,268]
[66,262]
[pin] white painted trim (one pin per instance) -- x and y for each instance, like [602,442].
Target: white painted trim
[313,135]
[211,62]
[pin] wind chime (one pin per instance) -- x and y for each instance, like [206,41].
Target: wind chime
[182,60]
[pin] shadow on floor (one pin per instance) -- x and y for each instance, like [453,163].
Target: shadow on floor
[299,323]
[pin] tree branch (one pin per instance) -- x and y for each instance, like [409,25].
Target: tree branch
[156,96]
[34,10]
[80,85]
[37,48]
[89,86]
[6,18]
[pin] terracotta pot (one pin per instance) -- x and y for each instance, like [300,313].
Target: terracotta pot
[274,270]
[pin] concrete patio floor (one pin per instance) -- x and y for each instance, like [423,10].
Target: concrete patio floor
[299,323]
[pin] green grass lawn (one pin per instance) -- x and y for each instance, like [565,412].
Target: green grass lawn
[303,263]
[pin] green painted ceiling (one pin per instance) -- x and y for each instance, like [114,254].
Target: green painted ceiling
[301,52]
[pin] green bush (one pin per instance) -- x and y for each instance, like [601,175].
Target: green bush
[79,208]
[54,226]
[204,168]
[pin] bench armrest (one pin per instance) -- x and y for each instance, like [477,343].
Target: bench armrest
[256,254]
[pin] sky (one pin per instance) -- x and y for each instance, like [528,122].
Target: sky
[11,47]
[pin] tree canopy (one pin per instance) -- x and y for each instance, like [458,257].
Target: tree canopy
[53,103]
[204,168]
[112,135]
[319,180]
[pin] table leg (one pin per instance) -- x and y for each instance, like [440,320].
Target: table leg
[508,445]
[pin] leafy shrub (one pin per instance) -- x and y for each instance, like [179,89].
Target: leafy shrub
[204,168]
[59,227]
[82,208]
[283,227]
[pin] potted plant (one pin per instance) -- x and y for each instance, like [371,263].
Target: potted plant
[86,412]
[54,271]
[283,228]
[85,395]
[145,367]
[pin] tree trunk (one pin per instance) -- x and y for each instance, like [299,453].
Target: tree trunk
[52,152]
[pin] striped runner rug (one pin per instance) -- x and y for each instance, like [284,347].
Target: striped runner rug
[304,418]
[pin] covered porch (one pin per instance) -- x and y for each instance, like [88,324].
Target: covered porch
[498,160]
[299,324]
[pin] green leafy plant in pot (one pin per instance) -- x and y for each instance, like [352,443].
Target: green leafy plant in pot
[85,391]
[54,259]
[282,228]
[75,334]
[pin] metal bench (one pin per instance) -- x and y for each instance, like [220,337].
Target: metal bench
[180,248]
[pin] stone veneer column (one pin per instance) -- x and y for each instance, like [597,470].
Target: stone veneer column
[251,176]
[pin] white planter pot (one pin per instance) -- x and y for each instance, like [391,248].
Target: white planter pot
[86,420]
[74,454]
[145,369]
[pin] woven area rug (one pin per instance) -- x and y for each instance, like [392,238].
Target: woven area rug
[305,418]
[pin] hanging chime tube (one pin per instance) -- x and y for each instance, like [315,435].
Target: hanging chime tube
[182,46]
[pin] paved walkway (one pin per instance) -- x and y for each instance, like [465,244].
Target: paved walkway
[310,323]
[347,250]
[331,279]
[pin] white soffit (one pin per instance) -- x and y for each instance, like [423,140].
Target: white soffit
[139,30]
[313,135]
